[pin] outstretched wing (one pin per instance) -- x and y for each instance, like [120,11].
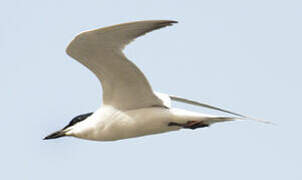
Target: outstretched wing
[124,85]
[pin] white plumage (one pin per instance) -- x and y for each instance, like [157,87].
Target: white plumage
[130,107]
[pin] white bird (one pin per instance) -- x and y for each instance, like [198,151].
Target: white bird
[130,107]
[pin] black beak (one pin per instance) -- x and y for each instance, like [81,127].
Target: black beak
[55,135]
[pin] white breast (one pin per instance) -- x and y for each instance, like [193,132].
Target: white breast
[109,124]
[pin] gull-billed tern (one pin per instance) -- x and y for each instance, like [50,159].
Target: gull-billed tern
[130,107]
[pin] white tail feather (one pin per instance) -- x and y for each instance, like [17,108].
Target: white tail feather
[183,100]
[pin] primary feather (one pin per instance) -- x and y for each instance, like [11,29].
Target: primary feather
[124,86]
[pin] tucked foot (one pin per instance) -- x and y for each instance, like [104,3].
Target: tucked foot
[189,124]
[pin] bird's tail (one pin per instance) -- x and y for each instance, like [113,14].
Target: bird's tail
[240,116]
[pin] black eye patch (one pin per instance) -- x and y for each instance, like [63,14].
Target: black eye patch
[77,119]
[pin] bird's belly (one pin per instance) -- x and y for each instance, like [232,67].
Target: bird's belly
[136,123]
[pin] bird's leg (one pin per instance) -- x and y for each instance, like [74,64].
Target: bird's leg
[189,124]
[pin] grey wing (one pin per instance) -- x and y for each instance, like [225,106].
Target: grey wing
[124,85]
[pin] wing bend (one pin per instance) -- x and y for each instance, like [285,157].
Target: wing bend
[124,85]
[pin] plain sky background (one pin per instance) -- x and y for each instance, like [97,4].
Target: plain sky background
[240,55]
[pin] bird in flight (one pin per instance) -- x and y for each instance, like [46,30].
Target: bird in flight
[130,107]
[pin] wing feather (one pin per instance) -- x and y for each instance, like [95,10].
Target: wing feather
[124,85]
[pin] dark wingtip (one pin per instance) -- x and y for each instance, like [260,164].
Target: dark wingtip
[55,135]
[169,22]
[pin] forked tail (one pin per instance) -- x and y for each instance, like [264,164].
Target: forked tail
[240,116]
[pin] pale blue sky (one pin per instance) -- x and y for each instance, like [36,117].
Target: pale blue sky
[241,55]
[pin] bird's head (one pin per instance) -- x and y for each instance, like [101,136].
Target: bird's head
[63,131]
